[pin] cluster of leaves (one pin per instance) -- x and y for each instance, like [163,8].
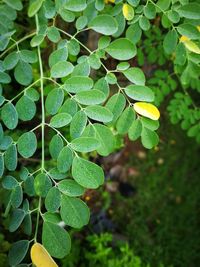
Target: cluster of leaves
[65,99]
[178,41]
[103,250]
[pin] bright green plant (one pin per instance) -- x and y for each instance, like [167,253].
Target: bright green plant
[69,103]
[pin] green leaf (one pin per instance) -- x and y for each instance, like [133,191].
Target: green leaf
[106,139]
[67,15]
[188,30]
[28,56]
[32,94]
[135,130]
[37,40]
[5,142]
[23,73]
[116,105]
[64,161]
[135,75]
[52,200]
[27,223]
[27,144]
[18,252]
[16,219]
[56,240]
[78,124]
[91,97]
[86,173]
[170,42]
[70,106]
[11,158]
[60,120]
[34,7]
[11,60]
[29,186]
[9,116]
[9,182]
[77,84]
[26,108]
[149,11]
[82,69]
[61,69]
[121,49]
[16,197]
[103,42]
[71,188]
[58,55]
[54,101]
[56,175]
[4,78]
[144,23]
[74,47]
[55,146]
[85,144]
[81,22]
[125,120]
[42,184]
[149,138]
[74,212]
[76,5]
[150,124]
[17,4]
[52,217]
[99,113]
[104,24]
[53,34]
[140,93]
[190,11]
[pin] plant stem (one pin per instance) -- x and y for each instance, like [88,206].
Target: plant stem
[42,98]
[16,43]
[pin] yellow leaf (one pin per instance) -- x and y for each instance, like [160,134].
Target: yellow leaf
[184,38]
[192,47]
[198,28]
[109,1]
[128,11]
[147,110]
[40,256]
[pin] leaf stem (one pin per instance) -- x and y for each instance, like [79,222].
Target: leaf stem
[17,43]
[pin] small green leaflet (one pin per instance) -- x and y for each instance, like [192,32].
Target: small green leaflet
[71,188]
[56,240]
[140,93]
[60,120]
[85,144]
[61,69]
[42,184]
[121,49]
[104,24]
[77,84]
[74,212]
[27,144]
[9,116]
[99,113]
[64,160]
[86,173]
[52,200]
[54,101]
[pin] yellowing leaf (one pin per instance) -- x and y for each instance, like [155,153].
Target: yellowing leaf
[109,1]
[147,110]
[198,28]
[192,47]
[128,11]
[184,38]
[40,257]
